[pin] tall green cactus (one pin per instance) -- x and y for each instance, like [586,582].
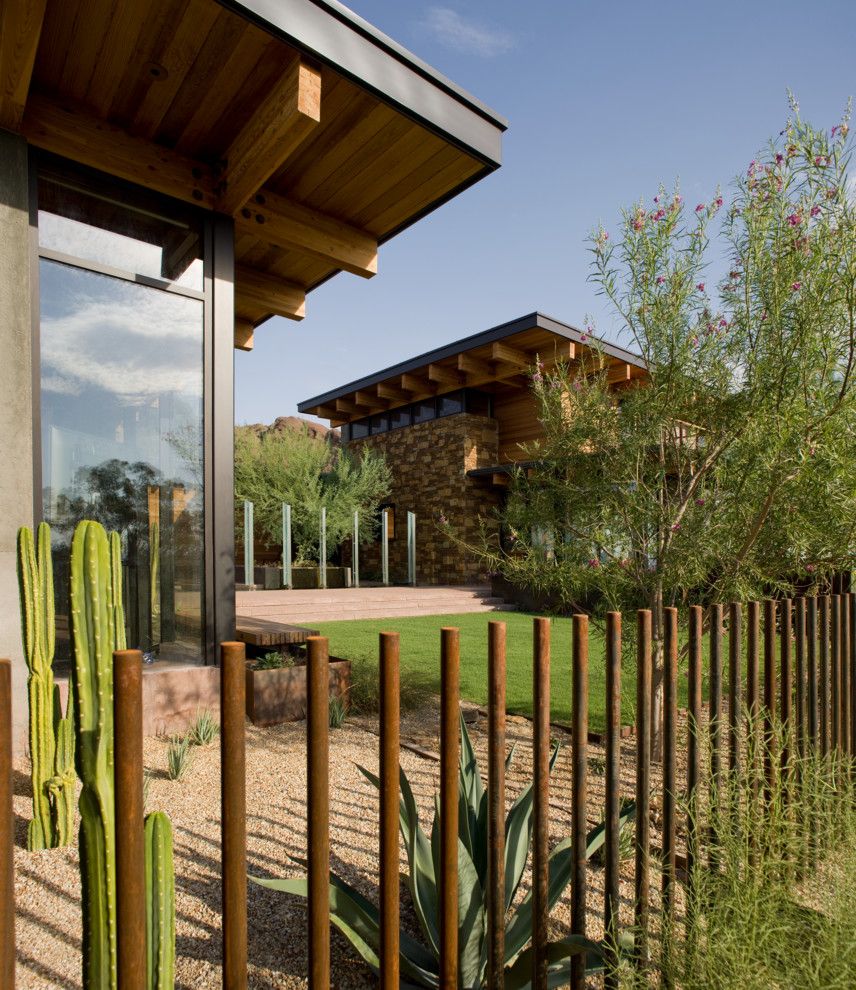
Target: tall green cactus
[160,903]
[98,629]
[51,735]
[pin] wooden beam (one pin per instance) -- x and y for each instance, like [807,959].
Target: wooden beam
[273,294]
[326,412]
[444,376]
[352,408]
[475,366]
[68,129]
[279,221]
[20,29]
[287,116]
[243,334]
[387,391]
[370,401]
[500,479]
[562,350]
[500,351]
[417,386]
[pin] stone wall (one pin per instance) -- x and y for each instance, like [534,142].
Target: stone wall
[429,463]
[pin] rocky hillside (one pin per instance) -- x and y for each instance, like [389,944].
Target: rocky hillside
[283,423]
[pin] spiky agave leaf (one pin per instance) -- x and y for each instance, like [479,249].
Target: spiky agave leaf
[559,956]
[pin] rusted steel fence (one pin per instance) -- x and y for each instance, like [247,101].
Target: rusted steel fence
[787,677]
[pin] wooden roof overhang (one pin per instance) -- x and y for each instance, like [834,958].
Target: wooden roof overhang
[500,357]
[319,135]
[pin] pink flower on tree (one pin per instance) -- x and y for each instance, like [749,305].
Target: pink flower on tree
[796,286]
[661,279]
[594,563]
[699,502]
[810,568]
[795,219]
[699,208]
[675,527]
[815,210]
[700,286]
[831,193]
[779,158]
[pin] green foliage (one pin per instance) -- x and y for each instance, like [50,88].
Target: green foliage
[97,630]
[292,466]
[274,660]
[51,734]
[204,730]
[359,920]
[160,903]
[338,711]
[179,757]
[733,468]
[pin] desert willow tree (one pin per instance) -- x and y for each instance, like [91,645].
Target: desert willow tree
[731,469]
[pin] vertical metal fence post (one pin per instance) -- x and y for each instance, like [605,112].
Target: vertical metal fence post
[541,788]
[449,758]
[846,741]
[579,823]
[130,847]
[355,553]
[852,662]
[233,813]
[801,734]
[715,728]
[384,546]
[670,719]
[811,672]
[694,733]
[643,782]
[7,832]
[613,771]
[496,806]
[286,546]
[411,548]
[786,692]
[389,803]
[322,548]
[318,808]
[249,548]
[752,699]
[735,687]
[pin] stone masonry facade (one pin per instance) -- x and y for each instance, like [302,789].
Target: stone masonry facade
[429,463]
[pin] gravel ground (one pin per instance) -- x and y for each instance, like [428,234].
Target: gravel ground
[48,887]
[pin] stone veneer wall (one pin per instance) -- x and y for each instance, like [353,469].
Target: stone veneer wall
[429,463]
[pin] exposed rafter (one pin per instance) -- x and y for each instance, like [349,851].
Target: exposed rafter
[286,117]
[279,221]
[351,408]
[387,391]
[270,293]
[501,351]
[20,30]
[243,334]
[370,401]
[416,386]
[475,366]
[443,375]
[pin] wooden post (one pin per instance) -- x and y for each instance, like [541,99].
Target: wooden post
[130,846]
[693,748]
[7,833]
[579,792]
[496,806]
[249,548]
[355,550]
[318,808]
[322,548]
[811,672]
[769,699]
[384,546]
[825,714]
[613,812]
[233,815]
[389,803]
[643,782]
[541,788]
[286,546]
[449,758]
[670,720]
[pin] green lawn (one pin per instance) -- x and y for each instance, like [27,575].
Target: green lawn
[357,640]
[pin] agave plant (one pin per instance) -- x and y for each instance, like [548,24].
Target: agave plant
[359,920]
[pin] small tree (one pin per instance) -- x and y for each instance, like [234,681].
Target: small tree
[306,472]
[731,470]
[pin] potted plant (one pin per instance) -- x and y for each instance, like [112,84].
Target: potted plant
[276,686]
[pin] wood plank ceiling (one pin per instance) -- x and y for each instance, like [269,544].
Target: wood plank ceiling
[190,99]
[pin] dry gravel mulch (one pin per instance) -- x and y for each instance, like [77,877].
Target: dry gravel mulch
[48,885]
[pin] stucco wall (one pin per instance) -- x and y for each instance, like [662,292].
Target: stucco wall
[16,409]
[429,463]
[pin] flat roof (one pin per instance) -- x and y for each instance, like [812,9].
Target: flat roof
[532,321]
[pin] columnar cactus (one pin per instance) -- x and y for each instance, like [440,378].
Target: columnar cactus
[98,629]
[51,735]
[160,903]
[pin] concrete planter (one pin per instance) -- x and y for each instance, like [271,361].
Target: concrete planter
[279,695]
[308,577]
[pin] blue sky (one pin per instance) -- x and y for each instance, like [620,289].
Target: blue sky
[605,100]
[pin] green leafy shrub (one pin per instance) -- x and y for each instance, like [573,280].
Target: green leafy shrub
[178,757]
[273,660]
[359,920]
[338,711]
